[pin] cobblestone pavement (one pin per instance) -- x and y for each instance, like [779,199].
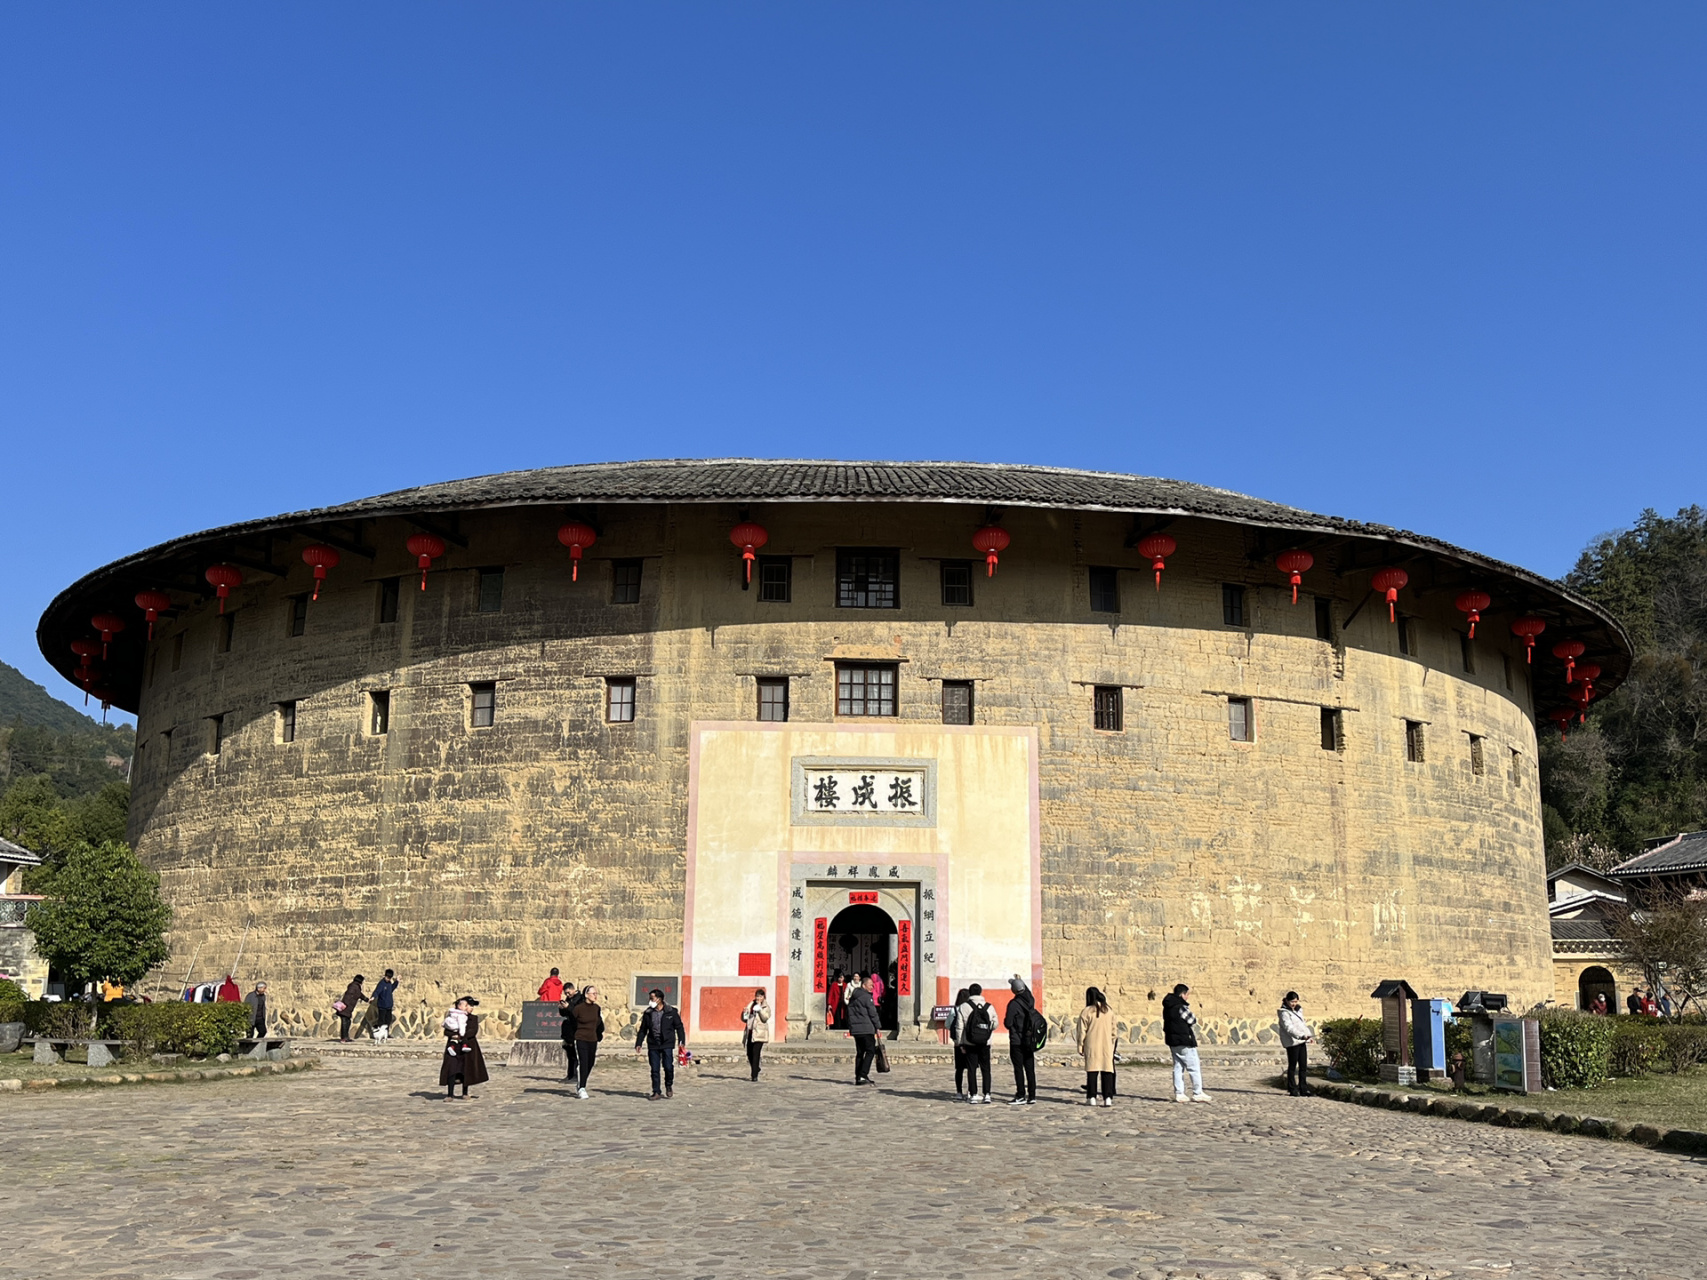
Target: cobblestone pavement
[361,1169]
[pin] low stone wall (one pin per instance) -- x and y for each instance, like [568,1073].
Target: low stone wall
[157,1077]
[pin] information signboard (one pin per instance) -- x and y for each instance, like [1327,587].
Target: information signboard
[540,1021]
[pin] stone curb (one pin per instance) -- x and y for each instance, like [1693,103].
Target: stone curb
[158,1077]
[1647,1135]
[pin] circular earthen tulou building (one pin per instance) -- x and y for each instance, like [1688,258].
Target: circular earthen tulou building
[715,725]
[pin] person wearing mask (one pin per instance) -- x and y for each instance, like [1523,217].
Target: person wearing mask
[551,990]
[345,1006]
[1599,1005]
[1179,1029]
[1096,1045]
[833,1001]
[974,1028]
[589,1030]
[1022,1042]
[864,1026]
[463,1062]
[257,1002]
[756,1018]
[384,1000]
[1295,1037]
[661,1030]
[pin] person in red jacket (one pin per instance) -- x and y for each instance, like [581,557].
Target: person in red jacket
[552,988]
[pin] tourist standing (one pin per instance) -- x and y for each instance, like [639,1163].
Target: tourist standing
[257,1002]
[874,984]
[1295,1037]
[1096,1045]
[551,990]
[345,1006]
[865,1026]
[1022,1042]
[384,1000]
[463,1062]
[833,1001]
[589,1030]
[1599,1005]
[566,1028]
[975,1026]
[1179,1029]
[661,1030]
[757,1019]
[1633,1001]
[959,1049]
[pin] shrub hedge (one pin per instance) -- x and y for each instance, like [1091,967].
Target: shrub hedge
[1638,1045]
[1353,1046]
[176,1027]
[1576,1048]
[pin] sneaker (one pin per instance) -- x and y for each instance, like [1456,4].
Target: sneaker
[1200,1096]
[580,1093]
[1017,1102]
[961,1097]
[1180,1097]
[985,1099]
[1108,1102]
[1031,1102]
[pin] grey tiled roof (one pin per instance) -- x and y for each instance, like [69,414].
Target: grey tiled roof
[17,855]
[1685,852]
[1581,931]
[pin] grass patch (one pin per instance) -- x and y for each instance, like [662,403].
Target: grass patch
[22,1066]
[1665,1101]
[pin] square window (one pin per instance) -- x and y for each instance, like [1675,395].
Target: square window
[298,615]
[379,712]
[489,594]
[1240,726]
[215,734]
[1333,729]
[1232,605]
[1324,619]
[957,702]
[776,579]
[1467,653]
[1105,591]
[1414,741]
[227,623]
[868,580]
[287,721]
[1107,713]
[865,690]
[177,651]
[957,582]
[773,699]
[390,590]
[483,709]
[625,582]
[1478,761]
[619,699]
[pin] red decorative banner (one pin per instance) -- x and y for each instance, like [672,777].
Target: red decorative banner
[820,954]
[753,964]
[904,958]
[857,898]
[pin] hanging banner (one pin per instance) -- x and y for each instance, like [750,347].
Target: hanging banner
[860,896]
[820,954]
[904,958]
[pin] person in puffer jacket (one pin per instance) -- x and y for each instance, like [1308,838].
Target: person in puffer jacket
[1295,1037]
[1179,1029]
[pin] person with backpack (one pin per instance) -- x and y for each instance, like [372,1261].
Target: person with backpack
[865,1026]
[384,1006]
[974,1025]
[1096,1045]
[1295,1037]
[1179,1029]
[1025,1038]
[589,1030]
[661,1030]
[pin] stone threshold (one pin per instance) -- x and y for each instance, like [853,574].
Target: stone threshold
[1685,1140]
[158,1077]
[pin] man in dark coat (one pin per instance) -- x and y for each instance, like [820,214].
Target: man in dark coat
[1179,1029]
[661,1030]
[257,1002]
[1022,1042]
[566,1012]
[865,1025]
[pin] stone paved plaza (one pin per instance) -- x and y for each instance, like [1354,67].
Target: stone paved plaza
[361,1169]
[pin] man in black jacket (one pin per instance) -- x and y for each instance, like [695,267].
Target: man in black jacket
[661,1030]
[1179,1029]
[566,1011]
[866,1026]
[1022,1042]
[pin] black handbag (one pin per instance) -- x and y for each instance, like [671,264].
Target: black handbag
[882,1058]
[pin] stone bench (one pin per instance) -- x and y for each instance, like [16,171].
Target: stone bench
[52,1049]
[275,1048]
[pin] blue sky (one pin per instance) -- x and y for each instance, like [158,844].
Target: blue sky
[1440,266]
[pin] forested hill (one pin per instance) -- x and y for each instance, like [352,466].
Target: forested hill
[23,701]
[39,734]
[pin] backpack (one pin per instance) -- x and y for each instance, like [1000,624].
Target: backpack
[1037,1029]
[979,1025]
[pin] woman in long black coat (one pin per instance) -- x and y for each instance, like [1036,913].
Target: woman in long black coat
[463,1060]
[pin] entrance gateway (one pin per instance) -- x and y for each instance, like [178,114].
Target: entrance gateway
[911,850]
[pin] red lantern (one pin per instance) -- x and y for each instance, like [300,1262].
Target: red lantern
[153,604]
[749,537]
[1582,695]
[1390,581]
[991,540]
[1473,602]
[425,547]
[1296,563]
[109,625]
[1528,627]
[577,537]
[322,558]
[85,651]
[1561,716]
[1156,548]
[1568,651]
[1587,674]
[224,577]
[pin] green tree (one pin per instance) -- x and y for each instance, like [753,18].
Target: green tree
[105,918]
[103,816]
[33,815]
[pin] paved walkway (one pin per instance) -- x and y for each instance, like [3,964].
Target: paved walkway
[360,1169]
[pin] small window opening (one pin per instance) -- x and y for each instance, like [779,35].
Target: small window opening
[298,615]
[153,662]
[773,698]
[619,699]
[222,633]
[177,651]
[1232,605]
[957,702]
[390,590]
[484,707]
[1505,661]
[1239,724]
[489,598]
[1478,763]
[1106,710]
[1407,636]
[1467,653]
[1516,766]
[1105,590]
[287,722]
[1324,619]
[625,582]
[379,712]
[957,582]
[1333,729]
[776,579]
[215,734]
[1414,741]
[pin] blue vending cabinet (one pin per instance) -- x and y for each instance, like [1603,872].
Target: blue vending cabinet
[1428,1037]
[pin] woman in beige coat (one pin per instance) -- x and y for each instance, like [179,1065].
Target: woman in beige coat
[1096,1043]
[757,1016]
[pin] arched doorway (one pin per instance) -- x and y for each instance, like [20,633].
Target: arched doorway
[862,940]
[1597,980]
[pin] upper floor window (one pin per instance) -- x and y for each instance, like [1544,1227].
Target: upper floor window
[177,650]
[957,702]
[215,734]
[1467,653]
[1107,712]
[1232,605]
[226,625]
[868,580]
[625,582]
[1241,725]
[483,706]
[379,712]
[489,594]
[776,579]
[1324,619]
[390,589]
[298,615]
[1407,636]
[287,721]
[1105,590]
[1505,661]
[865,690]
[1478,758]
[773,698]
[1333,729]
[619,699]
[1414,741]
[957,582]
